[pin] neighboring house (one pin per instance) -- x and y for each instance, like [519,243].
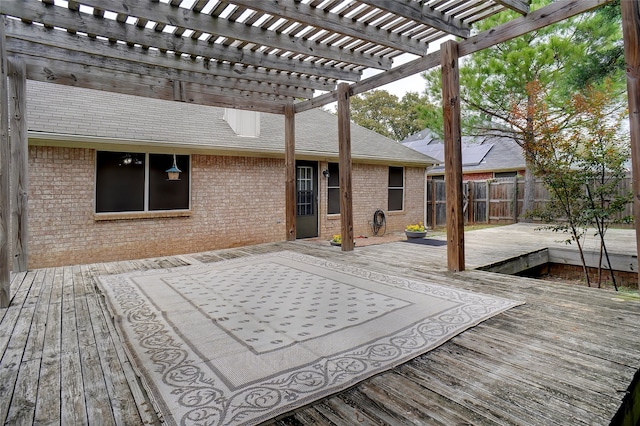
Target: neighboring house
[483,157]
[98,187]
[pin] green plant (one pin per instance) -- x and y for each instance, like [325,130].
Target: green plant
[337,238]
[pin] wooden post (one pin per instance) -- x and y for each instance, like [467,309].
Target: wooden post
[631,33]
[5,259]
[515,199]
[290,165]
[344,148]
[488,200]
[19,163]
[470,194]
[452,155]
[434,216]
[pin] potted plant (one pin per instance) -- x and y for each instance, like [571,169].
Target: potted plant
[415,230]
[336,240]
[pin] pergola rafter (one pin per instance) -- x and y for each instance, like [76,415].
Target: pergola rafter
[283,57]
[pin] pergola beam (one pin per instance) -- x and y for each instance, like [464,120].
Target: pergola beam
[519,6]
[44,57]
[153,87]
[29,39]
[424,15]
[541,18]
[306,14]
[164,13]
[54,16]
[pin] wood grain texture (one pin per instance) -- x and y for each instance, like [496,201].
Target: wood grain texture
[290,170]
[565,357]
[5,154]
[631,33]
[26,39]
[548,15]
[19,163]
[453,155]
[344,150]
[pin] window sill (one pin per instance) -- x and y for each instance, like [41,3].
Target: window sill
[99,217]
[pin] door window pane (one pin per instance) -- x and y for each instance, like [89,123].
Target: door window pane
[304,185]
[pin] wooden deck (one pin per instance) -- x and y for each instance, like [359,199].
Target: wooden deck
[565,357]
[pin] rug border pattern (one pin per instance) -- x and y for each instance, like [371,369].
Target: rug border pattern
[206,403]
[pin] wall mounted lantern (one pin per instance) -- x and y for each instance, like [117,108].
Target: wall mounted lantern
[325,173]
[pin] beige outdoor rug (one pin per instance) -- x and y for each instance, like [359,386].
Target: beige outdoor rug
[244,340]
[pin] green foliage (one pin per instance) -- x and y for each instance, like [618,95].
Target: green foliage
[564,58]
[582,163]
[382,112]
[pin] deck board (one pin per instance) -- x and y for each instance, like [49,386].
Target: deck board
[565,357]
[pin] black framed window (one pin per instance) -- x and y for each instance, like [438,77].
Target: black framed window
[137,182]
[396,188]
[333,189]
[498,175]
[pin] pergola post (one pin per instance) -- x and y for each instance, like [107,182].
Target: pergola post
[19,163]
[290,165]
[452,155]
[631,33]
[5,258]
[344,149]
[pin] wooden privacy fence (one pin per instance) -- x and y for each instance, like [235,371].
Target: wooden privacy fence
[492,201]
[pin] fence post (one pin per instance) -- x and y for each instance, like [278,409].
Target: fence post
[515,199]
[434,212]
[488,199]
[470,188]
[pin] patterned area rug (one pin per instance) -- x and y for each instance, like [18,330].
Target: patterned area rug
[244,340]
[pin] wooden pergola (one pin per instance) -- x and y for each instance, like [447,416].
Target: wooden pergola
[276,56]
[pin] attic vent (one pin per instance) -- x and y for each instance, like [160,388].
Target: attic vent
[243,123]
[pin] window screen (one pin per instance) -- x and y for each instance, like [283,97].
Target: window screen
[333,191]
[396,188]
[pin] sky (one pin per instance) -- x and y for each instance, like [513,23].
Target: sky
[415,83]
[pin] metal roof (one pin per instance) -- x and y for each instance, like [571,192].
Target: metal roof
[250,54]
[479,153]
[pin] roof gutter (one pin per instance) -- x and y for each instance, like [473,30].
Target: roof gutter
[165,147]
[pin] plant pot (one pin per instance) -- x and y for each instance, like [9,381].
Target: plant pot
[333,243]
[415,234]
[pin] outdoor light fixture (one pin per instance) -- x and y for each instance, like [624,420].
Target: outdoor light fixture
[174,171]
[325,173]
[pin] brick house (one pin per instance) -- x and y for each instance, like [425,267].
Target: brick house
[98,187]
[483,157]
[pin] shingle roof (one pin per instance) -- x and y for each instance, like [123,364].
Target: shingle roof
[91,117]
[479,154]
